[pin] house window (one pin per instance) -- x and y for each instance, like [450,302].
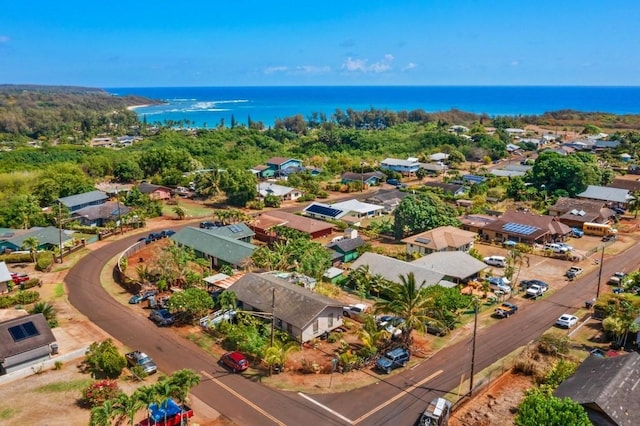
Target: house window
[330,319]
[278,323]
[289,329]
[316,326]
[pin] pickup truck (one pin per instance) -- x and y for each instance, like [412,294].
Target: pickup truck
[354,311]
[506,310]
[534,291]
[217,317]
[616,279]
[137,358]
[168,413]
[573,272]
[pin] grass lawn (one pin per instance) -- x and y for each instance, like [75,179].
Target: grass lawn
[191,208]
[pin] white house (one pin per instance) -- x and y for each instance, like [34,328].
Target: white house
[285,193]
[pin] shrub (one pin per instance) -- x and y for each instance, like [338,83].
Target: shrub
[6,301]
[138,372]
[32,282]
[25,297]
[551,345]
[44,261]
[57,365]
[16,258]
[100,391]
[103,359]
[334,336]
[561,370]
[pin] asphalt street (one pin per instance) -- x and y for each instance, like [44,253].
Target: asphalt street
[398,399]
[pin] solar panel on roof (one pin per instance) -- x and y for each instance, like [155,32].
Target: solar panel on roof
[234,228]
[423,240]
[323,210]
[518,228]
[23,331]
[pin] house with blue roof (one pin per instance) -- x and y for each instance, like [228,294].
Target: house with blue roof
[369,178]
[86,199]
[48,238]
[282,166]
[473,178]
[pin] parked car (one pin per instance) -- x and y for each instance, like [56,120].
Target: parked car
[573,272]
[398,357]
[141,359]
[525,284]
[235,361]
[162,317]
[19,278]
[140,297]
[506,310]
[567,321]
[534,291]
[167,233]
[391,324]
[354,311]
[436,328]
[556,248]
[499,261]
[500,284]
[154,236]
[210,225]
[616,278]
[619,210]
[436,414]
[577,233]
[566,246]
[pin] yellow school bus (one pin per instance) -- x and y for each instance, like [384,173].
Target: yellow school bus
[600,229]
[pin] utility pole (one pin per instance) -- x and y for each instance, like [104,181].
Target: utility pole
[273,314]
[473,347]
[362,176]
[600,273]
[119,217]
[60,228]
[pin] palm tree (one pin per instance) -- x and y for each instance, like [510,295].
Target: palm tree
[519,258]
[277,354]
[371,336]
[128,406]
[183,381]
[634,203]
[102,414]
[147,395]
[409,301]
[45,309]
[31,244]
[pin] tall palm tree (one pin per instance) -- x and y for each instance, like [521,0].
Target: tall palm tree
[127,406]
[147,395]
[31,244]
[409,301]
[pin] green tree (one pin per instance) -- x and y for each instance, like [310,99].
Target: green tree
[407,300]
[539,408]
[276,355]
[31,244]
[192,303]
[128,171]
[104,360]
[570,173]
[127,407]
[179,211]
[419,213]
[239,185]
[102,415]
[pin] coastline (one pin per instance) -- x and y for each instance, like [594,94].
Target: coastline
[133,107]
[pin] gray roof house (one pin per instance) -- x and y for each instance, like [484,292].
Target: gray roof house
[101,214]
[48,237]
[78,201]
[283,192]
[607,388]
[456,266]
[302,313]
[219,249]
[391,269]
[606,193]
[24,341]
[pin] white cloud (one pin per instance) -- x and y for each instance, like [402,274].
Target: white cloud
[409,66]
[313,69]
[271,70]
[4,39]
[515,63]
[362,65]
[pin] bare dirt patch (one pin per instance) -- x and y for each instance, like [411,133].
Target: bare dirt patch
[496,405]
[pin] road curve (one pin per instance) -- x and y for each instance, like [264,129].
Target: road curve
[397,399]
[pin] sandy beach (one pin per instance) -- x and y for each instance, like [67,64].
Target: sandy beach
[132,107]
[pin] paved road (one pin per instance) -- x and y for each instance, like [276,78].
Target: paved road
[397,400]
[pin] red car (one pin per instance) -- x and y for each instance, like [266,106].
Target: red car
[19,278]
[234,361]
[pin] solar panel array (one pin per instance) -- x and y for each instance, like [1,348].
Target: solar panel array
[323,210]
[23,331]
[235,228]
[423,240]
[518,228]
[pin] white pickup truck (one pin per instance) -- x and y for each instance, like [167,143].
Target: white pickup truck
[217,317]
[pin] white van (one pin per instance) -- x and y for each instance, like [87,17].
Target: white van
[499,261]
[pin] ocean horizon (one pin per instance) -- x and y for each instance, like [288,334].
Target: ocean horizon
[211,106]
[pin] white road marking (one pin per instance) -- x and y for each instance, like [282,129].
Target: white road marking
[324,407]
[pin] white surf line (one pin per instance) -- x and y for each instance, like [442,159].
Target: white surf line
[398,396]
[324,407]
[242,398]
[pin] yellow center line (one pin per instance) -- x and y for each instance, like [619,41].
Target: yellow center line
[398,396]
[242,398]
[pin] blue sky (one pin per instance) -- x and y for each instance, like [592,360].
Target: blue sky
[254,43]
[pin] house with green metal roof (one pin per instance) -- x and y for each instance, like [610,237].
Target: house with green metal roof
[238,231]
[219,249]
[48,238]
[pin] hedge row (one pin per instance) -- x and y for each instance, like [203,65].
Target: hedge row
[20,298]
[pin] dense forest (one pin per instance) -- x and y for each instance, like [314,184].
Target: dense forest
[71,113]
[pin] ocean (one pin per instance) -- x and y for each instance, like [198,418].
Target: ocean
[211,106]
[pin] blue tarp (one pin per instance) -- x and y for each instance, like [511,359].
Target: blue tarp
[166,409]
